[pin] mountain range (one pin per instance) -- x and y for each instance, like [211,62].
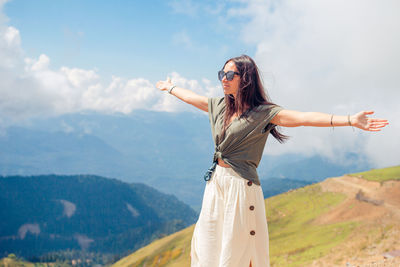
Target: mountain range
[168,151]
[51,213]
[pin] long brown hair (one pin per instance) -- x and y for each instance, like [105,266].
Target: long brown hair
[250,94]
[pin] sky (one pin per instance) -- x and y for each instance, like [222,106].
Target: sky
[337,57]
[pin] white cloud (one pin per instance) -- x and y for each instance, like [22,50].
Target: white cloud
[170,103]
[67,90]
[39,65]
[335,57]
[330,56]
[31,87]
[9,47]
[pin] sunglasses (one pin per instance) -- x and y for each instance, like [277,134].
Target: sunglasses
[229,75]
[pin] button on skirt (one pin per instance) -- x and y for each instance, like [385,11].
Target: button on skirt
[232,226]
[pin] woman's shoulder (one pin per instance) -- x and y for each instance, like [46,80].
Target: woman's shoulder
[216,101]
[216,104]
[265,111]
[267,107]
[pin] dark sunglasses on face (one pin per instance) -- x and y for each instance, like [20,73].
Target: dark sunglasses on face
[229,75]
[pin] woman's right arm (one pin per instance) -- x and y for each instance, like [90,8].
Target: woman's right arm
[188,96]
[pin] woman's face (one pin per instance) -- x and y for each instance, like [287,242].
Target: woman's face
[231,87]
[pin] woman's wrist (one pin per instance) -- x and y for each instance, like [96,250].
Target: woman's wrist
[349,118]
[171,88]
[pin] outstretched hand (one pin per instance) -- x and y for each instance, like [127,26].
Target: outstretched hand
[164,85]
[360,120]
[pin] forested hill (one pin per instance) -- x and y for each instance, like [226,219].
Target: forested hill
[41,214]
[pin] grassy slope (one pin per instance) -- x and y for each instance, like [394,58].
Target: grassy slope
[380,175]
[6,262]
[15,262]
[294,239]
[172,250]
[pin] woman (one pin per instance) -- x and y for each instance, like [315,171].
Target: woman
[232,228]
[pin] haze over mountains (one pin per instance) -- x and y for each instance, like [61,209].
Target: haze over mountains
[169,151]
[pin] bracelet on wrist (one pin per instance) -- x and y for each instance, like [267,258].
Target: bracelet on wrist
[348,119]
[170,89]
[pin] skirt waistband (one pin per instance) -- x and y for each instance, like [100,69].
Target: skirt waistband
[215,168]
[226,171]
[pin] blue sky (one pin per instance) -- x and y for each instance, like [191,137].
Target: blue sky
[334,56]
[128,38]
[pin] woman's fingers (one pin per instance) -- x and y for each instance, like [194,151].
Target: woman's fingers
[378,120]
[377,125]
[380,123]
[369,124]
[163,85]
[160,85]
[369,112]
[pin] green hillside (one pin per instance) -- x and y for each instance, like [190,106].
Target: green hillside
[380,175]
[295,237]
[172,250]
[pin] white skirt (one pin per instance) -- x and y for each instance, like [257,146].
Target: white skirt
[232,226]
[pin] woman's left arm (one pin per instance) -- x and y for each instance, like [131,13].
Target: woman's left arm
[293,118]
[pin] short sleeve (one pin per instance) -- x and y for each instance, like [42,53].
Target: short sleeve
[215,108]
[270,112]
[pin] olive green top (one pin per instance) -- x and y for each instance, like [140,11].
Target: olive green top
[245,138]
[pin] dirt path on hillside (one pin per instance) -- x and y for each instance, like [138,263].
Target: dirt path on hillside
[379,229]
[367,188]
[389,192]
[349,185]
